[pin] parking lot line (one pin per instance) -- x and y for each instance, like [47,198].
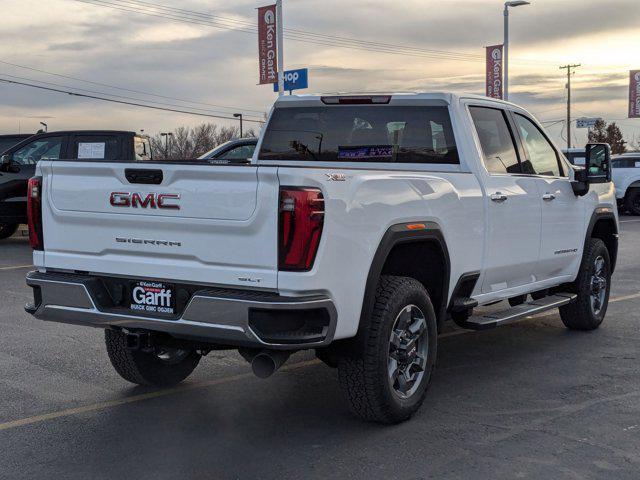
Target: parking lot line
[220,381]
[16,267]
[138,398]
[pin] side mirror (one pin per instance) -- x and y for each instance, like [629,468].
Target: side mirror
[598,162]
[580,183]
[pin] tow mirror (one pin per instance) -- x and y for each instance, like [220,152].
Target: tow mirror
[598,162]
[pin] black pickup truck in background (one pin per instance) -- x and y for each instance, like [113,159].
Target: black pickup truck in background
[8,141]
[18,163]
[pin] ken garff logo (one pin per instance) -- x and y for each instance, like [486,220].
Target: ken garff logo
[637,77]
[166,201]
[496,54]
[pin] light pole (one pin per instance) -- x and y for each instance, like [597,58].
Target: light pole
[166,136]
[514,3]
[239,115]
[46,127]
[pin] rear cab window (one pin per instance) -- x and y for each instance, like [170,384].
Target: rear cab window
[361,133]
[96,147]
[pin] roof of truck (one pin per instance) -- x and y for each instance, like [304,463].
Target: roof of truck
[448,97]
[87,132]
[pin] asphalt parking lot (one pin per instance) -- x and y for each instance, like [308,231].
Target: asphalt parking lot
[530,400]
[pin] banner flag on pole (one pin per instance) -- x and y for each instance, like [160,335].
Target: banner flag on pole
[494,71]
[634,94]
[267,45]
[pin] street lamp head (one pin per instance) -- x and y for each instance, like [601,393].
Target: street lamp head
[237,115]
[516,3]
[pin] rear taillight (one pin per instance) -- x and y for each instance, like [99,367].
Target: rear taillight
[34,213]
[300,229]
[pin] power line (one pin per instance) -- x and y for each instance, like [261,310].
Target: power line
[198,18]
[68,77]
[246,23]
[113,95]
[135,104]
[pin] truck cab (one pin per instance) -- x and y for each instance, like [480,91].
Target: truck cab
[18,163]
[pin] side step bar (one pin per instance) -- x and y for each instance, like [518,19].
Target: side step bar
[520,312]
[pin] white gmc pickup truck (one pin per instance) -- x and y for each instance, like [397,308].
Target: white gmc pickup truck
[361,225]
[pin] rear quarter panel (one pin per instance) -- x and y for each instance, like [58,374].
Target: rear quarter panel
[362,208]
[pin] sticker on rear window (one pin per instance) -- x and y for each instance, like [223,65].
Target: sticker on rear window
[358,153]
[94,150]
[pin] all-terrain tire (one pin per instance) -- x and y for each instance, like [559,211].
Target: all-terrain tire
[632,201]
[364,376]
[7,229]
[148,369]
[586,313]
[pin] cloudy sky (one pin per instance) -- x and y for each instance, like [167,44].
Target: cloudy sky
[201,55]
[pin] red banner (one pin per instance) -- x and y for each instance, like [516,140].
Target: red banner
[494,71]
[267,45]
[634,94]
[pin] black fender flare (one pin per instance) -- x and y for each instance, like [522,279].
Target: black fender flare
[604,213]
[396,235]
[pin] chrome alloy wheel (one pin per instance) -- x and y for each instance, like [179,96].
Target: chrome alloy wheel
[408,350]
[598,285]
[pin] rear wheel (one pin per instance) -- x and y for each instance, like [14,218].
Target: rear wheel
[632,201]
[163,367]
[592,286]
[387,382]
[8,229]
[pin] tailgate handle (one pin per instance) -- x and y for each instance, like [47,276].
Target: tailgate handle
[143,176]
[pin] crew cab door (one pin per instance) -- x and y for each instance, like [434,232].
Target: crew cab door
[14,177]
[512,202]
[563,218]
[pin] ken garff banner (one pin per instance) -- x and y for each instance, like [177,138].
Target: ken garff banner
[494,71]
[267,45]
[634,94]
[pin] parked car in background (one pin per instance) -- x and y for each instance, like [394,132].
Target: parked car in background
[575,155]
[626,178]
[234,150]
[18,163]
[8,141]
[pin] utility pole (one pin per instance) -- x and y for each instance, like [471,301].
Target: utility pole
[239,115]
[280,39]
[569,69]
[166,136]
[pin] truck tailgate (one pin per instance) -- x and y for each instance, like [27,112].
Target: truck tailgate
[213,224]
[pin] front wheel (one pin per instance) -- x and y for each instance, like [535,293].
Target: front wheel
[7,229]
[163,367]
[592,286]
[387,381]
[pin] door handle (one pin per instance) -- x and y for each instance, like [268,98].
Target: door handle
[548,197]
[498,197]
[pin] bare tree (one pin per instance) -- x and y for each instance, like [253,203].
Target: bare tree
[188,143]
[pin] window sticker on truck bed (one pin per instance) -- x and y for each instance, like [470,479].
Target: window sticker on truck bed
[153,297]
[358,153]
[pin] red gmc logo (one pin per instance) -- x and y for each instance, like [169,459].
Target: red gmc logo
[167,201]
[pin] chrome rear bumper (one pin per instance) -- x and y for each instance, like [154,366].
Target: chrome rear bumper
[217,316]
